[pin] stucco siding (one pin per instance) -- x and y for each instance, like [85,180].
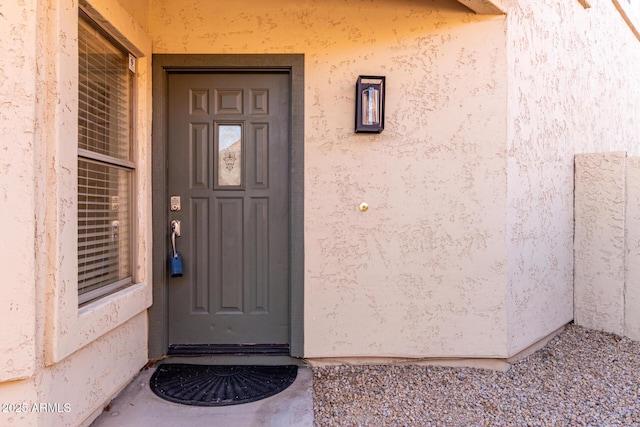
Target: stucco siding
[17,188]
[138,10]
[571,91]
[79,387]
[607,247]
[467,248]
[600,241]
[422,272]
[52,352]
[632,262]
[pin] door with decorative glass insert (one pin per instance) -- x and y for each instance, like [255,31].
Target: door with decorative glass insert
[228,161]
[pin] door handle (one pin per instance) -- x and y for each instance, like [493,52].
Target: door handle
[175,259]
[175,232]
[175,227]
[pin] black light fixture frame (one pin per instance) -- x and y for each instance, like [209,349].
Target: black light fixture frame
[364,83]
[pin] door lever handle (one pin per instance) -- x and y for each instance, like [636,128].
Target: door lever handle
[175,227]
[175,232]
[175,260]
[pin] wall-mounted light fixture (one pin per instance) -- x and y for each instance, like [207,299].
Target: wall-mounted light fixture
[370,104]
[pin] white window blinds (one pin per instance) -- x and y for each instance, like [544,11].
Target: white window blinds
[105,164]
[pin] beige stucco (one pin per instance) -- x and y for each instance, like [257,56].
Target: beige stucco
[17,189]
[51,351]
[600,241]
[422,272]
[607,243]
[479,255]
[570,91]
[630,12]
[467,248]
[632,246]
[82,384]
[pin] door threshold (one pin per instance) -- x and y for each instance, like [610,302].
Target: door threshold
[228,349]
[226,359]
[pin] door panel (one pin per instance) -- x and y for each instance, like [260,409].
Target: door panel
[228,155]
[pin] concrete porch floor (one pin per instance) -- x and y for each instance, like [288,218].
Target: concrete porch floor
[138,406]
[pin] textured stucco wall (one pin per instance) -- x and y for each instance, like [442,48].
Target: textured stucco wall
[139,11]
[572,89]
[438,255]
[422,273]
[607,243]
[51,351]
[632,262]
[85,381]
[600,241]
[17,188]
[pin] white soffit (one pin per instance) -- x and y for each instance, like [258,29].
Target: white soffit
[484,7]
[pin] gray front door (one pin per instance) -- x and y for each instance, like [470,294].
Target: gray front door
[228,161]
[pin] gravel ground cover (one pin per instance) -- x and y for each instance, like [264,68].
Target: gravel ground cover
[580,378]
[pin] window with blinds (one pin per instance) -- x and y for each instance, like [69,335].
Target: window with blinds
[105,164]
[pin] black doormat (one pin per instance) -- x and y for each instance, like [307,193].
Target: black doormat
[219,385]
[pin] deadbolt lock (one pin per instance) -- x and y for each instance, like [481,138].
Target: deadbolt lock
[175,203]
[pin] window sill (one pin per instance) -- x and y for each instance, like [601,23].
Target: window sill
[97,318]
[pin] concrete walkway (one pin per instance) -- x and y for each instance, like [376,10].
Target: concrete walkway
[138,406]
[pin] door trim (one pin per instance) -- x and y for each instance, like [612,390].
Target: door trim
[163,65]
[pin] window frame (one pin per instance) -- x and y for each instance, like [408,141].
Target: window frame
[68,327]
[125,164]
